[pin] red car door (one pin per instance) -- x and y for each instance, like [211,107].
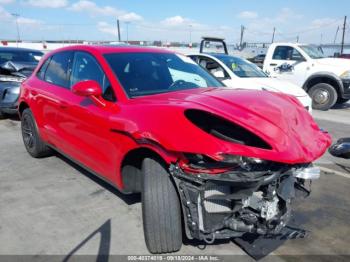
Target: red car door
[50,81]
[83,126]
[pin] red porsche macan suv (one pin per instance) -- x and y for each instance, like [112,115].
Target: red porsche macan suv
[214,162]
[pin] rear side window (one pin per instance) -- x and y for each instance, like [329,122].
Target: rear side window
[42,70]
[57,71]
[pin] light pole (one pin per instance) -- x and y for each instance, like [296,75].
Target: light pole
[119,39]
[16,17]
[190,44]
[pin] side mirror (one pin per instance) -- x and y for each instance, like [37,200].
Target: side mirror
[89,88]
[341,148]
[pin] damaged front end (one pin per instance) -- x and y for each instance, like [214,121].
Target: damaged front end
[239,195]
[12,74]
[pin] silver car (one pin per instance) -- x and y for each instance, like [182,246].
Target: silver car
[16,64]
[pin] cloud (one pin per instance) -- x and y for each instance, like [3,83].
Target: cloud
[94,10]
[286,14]
[182,23]
[248,15]
[322,22]
[107,28]
[4,2]
[178,28]
[285,21]
[47,3]
[5,16]
[176,21]
[28,21]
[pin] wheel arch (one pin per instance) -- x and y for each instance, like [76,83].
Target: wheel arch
[131,166]
[21,107]
[324,77]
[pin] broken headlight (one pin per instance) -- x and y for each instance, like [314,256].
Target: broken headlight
[199,161]
[235,159]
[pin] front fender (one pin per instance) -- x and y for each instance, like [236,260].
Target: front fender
[324,74]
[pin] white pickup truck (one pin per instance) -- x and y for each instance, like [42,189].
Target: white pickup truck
[235,72]
[326,80]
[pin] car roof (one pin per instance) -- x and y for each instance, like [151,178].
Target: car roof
[14,49]
[105,49]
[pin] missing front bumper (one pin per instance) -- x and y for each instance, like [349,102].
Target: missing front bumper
[233,204]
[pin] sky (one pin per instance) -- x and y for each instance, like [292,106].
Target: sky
[184,21]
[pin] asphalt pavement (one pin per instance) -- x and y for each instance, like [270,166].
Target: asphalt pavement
[51,206]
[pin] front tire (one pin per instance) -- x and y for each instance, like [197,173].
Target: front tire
[323,96]
[161,209]
[31,138]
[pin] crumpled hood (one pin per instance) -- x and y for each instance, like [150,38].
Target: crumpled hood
[278,119]
[20,69]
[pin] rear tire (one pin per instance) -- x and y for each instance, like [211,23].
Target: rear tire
[161,209]
[342,100]
[31,138]
[323,96]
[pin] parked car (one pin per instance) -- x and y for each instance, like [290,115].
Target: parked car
[16,64]
[221,162]
[341,148]
[258,60]
[237,72]
[326,80]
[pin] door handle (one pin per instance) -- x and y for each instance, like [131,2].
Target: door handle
[273,64]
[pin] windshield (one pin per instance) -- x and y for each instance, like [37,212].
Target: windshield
[153,73]
[312,51]
[241,67]
[20,56]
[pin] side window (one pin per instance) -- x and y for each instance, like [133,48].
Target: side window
[178,74]
[287,53]
[281,52]
[85,67]
[57,71]
[194,58]
[42,70]
[213,67]
[295,55]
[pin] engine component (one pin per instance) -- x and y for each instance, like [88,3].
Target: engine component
[238,202]
[217,205]
[267,208]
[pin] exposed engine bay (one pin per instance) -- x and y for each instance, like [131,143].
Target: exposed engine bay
[253,197]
